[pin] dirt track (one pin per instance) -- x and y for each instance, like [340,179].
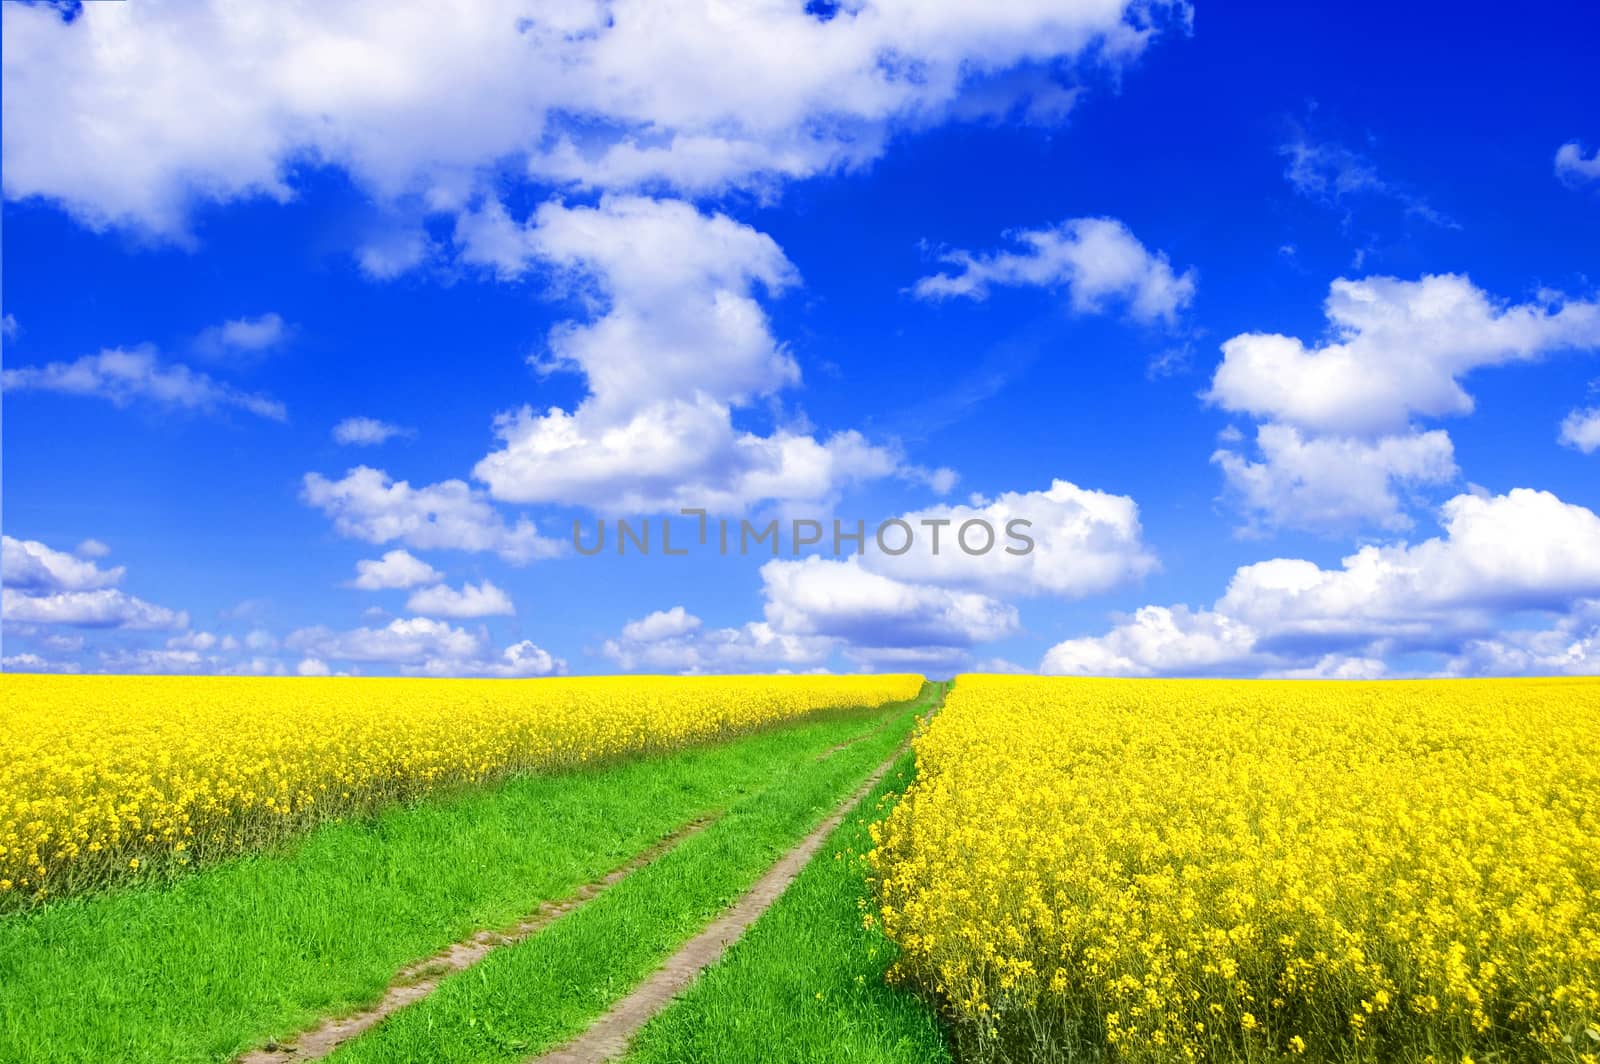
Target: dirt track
[417,981]
[608,1037]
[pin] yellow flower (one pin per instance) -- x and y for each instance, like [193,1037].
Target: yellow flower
[1206,860]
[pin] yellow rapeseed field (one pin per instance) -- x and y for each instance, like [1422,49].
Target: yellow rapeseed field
[1142,870]
[103,776]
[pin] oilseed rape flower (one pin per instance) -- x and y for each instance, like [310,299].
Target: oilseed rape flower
[1147,870]
[106,777]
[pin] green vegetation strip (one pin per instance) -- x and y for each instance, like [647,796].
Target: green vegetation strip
[532,996]
[261,947]
[806,984]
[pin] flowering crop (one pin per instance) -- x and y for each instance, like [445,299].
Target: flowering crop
[1145,870]
[102,777]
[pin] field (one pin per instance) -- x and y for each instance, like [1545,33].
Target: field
[1198,870]
[1012,869]
[107,777]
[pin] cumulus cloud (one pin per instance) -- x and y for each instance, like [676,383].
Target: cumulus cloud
[28,565]
[1500,557]
[920,609]
[676,641]
[845,601]
[397,568]
[1581,429]
[367,504]
[1156,639]
[473,600]
[610,96]
[1399,351]
[91,548]
[1080,542]
[367,432]
[1332,483]
[678,340]
[1096,261]
[661,625]
[47,586]
[1573,167]
[124,376]
[243,336]
[29,662]
[1571,646]
[422,646]
[1338,447]
[1335,667]
[106,608]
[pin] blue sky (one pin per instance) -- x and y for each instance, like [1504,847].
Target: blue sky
[1280,326]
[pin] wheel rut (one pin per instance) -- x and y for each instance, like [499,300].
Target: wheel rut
[416,981]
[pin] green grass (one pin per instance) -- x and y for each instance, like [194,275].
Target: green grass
[806,983]
[205,967]
[547,988]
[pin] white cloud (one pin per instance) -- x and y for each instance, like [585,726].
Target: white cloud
[844,601]
[397,568]
[385,254]
[9,327]
[151,661]
[677,287]
[44,586]
[677,341]
[1339,447]
[91,548]
[1581,429]
[1333,175]
[668,456]
[106,608]
[697,97]
[195,641]
[1096,260]
[367,504]
[1335,667]
[526,659]
[676,641]
[35,663]
[1570,646]
[28,565]
[1157,639]
[312,667]
[1573,167]
[918,609]
[367,431]
[1399,351]
[1334,482]
[1500,557]
[662,624]
[1525,550]
[473,600]
[403,641]
[1084,542]
[422,646]
[245,336]
[124,376]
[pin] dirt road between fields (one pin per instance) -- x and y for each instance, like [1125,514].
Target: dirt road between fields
[418,980]
[608,1037]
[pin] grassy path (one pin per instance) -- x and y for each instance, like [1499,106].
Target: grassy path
[418,980]
[538,994]
[608,1037]
[206,967]
[806,984]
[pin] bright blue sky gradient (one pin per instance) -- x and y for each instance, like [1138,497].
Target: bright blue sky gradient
[1263,152]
